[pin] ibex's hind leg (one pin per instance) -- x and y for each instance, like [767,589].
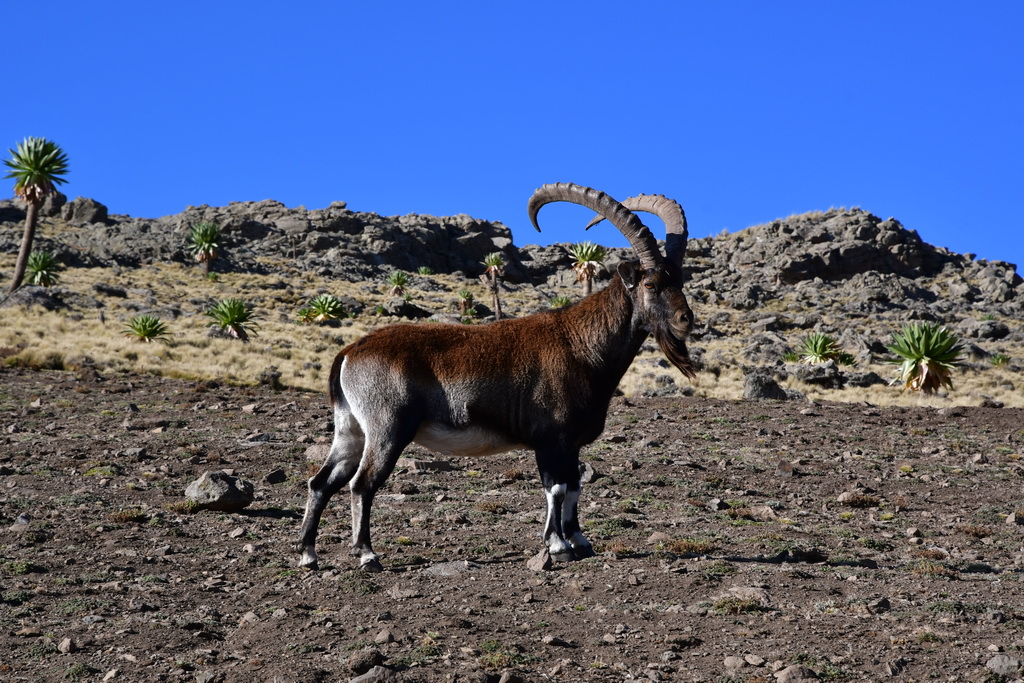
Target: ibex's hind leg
[378,462]
[337,470]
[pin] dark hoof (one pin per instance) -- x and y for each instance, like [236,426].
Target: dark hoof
[372,566]
[582,552]
[566,556]
[312,566]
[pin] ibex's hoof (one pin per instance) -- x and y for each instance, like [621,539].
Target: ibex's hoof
[371,566]
[582,552]
[564,556]
[308,560]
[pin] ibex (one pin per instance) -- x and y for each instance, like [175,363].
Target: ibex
[543,382]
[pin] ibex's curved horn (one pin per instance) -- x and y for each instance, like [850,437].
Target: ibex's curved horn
[639,236]
[669,211]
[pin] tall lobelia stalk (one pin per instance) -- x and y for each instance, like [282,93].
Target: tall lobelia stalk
[494,263]
[37,167]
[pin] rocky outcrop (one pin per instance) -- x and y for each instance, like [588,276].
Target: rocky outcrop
[838,258]
[834,245]
[83,211]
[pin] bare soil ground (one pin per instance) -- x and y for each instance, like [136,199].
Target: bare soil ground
[735,539]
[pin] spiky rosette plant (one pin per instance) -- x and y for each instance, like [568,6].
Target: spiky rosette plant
[147,328]
[926,354]
[560,301]
[235,317]
[37,167]
[818,347]
[398,280]
[588,258]
[321,309]
[203,243]
[465,302]
[42,269]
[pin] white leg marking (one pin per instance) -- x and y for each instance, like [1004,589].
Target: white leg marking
[557,545]
[309,558]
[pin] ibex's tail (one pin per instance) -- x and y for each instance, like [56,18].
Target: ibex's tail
[333,383]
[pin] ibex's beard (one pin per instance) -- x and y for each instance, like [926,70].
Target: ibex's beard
[672,340]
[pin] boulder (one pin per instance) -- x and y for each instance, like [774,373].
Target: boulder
[984,329]
[796,673]
[83,211]
[759,386]
[220,491]
[52,204]
[825,374]
[33,295]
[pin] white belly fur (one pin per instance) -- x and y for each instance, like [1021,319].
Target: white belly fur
[471,441]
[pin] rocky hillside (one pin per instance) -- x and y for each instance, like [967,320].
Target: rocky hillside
[882,264]
[756,291]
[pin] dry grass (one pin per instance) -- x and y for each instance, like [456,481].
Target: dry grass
[74,338]
[690,546]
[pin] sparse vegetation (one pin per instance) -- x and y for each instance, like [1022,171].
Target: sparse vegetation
[690,546]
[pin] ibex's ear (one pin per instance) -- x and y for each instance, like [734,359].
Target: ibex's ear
[629,274]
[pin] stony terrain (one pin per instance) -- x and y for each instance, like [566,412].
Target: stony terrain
[738,540]
[836,536]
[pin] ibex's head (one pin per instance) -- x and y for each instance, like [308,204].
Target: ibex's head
[654,286]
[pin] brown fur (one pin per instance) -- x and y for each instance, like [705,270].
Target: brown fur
[553,370]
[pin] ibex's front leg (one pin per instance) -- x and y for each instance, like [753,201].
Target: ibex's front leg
[559,472]
[581,547]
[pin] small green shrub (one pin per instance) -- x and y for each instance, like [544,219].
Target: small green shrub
[999,360]
[425,270]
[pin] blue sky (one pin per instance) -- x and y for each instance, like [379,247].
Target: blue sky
[743,111]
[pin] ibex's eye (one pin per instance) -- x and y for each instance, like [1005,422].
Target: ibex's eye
[649,285]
